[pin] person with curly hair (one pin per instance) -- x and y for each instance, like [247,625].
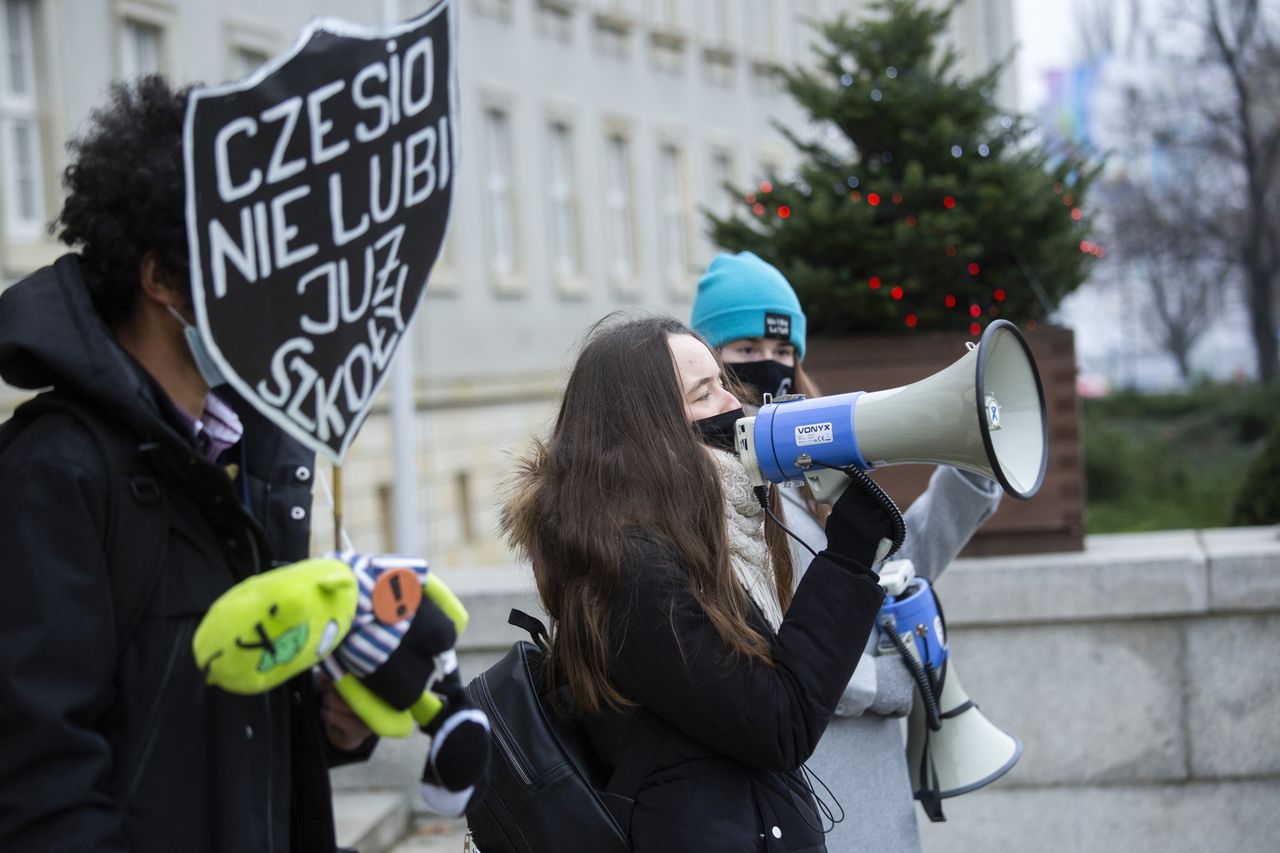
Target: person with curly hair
[131,496]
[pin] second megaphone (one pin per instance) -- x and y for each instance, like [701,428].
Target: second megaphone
[985,413]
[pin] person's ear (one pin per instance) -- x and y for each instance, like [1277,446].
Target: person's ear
[156,281]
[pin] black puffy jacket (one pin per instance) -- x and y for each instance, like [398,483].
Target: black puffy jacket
[725,777]
[120,747]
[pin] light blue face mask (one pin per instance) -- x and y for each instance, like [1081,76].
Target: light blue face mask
[207,367]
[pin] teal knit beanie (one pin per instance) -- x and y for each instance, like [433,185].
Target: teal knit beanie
[741,296]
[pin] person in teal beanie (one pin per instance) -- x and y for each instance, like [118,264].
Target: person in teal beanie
[749,313]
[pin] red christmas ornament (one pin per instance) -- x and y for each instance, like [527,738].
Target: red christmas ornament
[766,187]
[975,310]
[783,211]
[911,222]
[749,198]
[855,196]
[911,321]
[1086,247]
[757,209]
[948,202]
[1076,214]
[999,295]
[873,283]
[896,293]
[950,301]
[975,329]
[873,199]
[974,269]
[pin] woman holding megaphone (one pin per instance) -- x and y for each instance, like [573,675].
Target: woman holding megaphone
[749,312]
[670,612]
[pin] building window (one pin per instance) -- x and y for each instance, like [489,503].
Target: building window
[666,15]
[500,214]
[562,196]
[141,43]
[718,22]
[673,243]
[768,23]
[20,169]
[621,222]
[497,9]
[245,61]
[721,197]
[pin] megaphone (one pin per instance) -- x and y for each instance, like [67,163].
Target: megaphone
[952,748]
[985,413]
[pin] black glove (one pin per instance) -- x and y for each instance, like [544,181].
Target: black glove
[862,517]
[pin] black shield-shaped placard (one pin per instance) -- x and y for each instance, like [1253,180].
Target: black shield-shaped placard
[318,197]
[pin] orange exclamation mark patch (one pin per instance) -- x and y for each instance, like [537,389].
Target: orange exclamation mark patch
[396,595]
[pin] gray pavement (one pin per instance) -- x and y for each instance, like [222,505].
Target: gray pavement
[381,821]
[433,835]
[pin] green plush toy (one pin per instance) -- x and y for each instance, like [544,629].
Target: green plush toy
[382,628]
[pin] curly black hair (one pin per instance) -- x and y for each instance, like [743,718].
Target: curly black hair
[126,194]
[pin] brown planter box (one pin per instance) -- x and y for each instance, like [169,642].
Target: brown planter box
[1053,520]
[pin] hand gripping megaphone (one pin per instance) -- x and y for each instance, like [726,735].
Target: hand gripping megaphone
[985,413]
[952,748]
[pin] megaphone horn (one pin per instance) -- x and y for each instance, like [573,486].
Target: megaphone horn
[985,413]
[967,752]
[951,747]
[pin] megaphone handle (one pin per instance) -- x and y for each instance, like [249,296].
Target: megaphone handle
[924,684]
[828,484]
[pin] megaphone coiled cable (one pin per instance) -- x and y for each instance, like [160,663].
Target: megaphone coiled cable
[923,683]
[871,487]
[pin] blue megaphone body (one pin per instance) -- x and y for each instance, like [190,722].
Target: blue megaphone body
[984,413]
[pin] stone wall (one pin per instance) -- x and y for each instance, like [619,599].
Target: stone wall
[1140,675]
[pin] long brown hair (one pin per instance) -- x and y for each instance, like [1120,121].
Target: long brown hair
[621,458]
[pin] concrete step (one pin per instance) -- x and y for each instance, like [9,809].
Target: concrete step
[371,821]
[433,835]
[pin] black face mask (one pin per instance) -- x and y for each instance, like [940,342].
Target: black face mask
[717,430]
[764,377]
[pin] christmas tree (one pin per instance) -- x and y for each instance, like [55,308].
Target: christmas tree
[918,204]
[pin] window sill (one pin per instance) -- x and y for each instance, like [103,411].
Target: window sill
[508,284]
[615,22]
[671,38]
[719,54]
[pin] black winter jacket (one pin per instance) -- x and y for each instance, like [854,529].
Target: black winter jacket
[106,748]
[725,775]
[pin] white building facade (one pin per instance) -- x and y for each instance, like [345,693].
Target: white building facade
[594,135]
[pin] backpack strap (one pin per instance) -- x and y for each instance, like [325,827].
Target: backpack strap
[135,554]
[537,631]
[646,736]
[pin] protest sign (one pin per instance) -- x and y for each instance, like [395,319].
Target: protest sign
[318,196]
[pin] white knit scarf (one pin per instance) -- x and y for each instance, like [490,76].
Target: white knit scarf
[744,520]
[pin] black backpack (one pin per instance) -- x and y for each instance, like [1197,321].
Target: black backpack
[548,791]
[136,506]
